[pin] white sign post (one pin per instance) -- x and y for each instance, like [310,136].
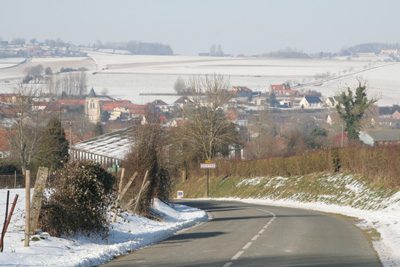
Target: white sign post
[208,165]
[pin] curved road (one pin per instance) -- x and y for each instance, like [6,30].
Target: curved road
[242,234]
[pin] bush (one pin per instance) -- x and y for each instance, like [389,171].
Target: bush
[147,155]
[79,202]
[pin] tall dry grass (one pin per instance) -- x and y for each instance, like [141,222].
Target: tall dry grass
[378,164]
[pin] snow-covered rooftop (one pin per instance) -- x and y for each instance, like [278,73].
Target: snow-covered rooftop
[115,144]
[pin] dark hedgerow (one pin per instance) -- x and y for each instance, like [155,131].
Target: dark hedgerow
[80,200]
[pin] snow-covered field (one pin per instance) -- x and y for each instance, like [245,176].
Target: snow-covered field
[129,233]
[127,76]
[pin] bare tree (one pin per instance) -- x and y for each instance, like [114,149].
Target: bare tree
[81,83]
[25,131]
[74,83]
[208,129]
[180,86]
[34,74]
[261,131]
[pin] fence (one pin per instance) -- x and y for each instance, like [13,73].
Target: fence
[14,181]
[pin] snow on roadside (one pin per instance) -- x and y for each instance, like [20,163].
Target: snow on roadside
[130,232]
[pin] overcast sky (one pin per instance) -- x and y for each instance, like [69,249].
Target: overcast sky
[192,26]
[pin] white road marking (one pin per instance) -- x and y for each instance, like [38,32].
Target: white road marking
[237,255]
[247,245]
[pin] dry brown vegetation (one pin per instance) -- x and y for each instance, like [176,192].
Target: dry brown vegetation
[380,165]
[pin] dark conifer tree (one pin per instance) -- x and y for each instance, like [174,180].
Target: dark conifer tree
[53,146]
[351,109]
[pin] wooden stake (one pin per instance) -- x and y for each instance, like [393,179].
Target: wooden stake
[128,185]
[8,222]
[27,206]
[119,194]
[140,192]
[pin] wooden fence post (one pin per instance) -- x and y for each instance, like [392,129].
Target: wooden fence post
[119,194]
[140,192]
[27,206]
[40,184]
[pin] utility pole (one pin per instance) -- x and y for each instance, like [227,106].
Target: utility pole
[342,136]
[70,134]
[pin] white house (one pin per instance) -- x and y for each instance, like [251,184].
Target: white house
[311,102]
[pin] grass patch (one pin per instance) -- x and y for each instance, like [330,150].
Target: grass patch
[340,189]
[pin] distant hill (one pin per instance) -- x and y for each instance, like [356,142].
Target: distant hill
[368,48]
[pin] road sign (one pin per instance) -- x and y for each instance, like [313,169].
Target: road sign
[180,194]
[208,165]
[208,161]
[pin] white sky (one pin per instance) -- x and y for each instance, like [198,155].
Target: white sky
[192,26]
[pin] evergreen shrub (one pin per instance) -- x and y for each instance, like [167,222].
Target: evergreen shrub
[79,202]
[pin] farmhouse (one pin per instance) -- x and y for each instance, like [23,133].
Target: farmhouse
[160,105]
[282,90]
[380,137]
[396,115]
[241,91]
[332,101]
[310,102]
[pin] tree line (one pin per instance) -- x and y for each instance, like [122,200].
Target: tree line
[137,47]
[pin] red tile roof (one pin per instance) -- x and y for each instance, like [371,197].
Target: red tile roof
[159,102]
[137,111]
[71,102]
[163,119]
[278,87]
[4,144]
[242,88]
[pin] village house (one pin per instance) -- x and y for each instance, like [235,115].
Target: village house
[282,90]
[160,105]
[241,91]
[380,137]
[182,101]
[396,115]
[332,101]
[311,102]
[332,118]
[260,100]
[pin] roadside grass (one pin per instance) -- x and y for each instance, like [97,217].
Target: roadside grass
[344,189]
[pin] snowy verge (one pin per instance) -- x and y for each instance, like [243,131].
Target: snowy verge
[130,232]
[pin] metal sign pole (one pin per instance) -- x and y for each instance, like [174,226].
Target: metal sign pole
[208,175]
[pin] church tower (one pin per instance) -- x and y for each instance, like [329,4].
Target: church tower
[92,107]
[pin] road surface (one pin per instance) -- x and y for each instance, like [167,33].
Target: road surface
[243,234]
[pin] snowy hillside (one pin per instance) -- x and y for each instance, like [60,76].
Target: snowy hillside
[129,76]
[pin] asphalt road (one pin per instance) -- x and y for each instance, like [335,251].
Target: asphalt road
[243,234]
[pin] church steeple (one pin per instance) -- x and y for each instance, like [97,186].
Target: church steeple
[92,93]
